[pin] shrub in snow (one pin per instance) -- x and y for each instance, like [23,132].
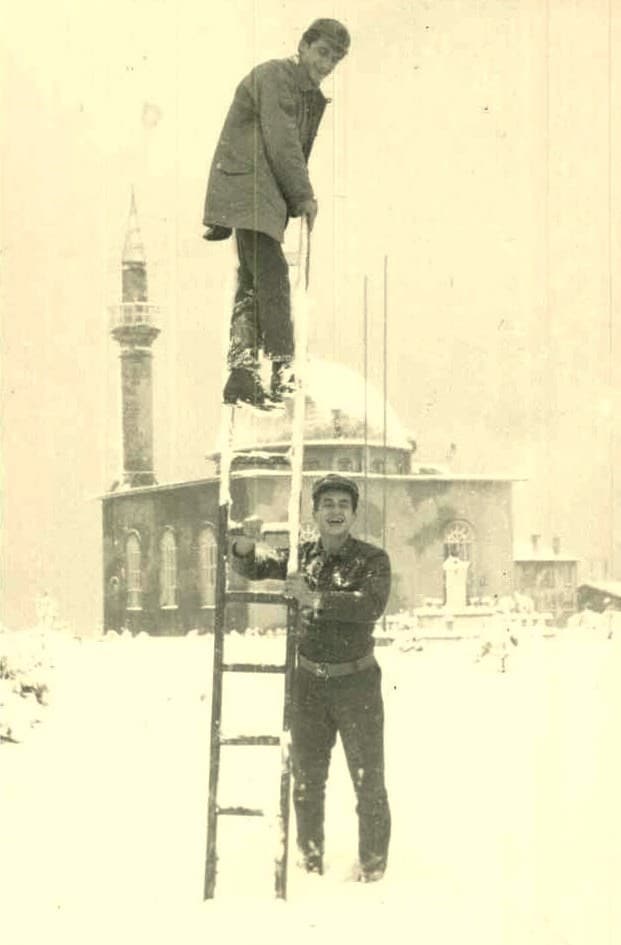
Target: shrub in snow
[25,669]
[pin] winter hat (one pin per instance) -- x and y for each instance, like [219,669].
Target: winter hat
[334,481]
[331,30]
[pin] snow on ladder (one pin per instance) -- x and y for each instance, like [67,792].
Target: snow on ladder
[224,596]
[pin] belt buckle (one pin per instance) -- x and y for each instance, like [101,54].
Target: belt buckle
[322,670]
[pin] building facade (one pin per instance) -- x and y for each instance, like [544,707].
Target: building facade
[159,541]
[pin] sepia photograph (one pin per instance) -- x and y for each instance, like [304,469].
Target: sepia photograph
[310,505]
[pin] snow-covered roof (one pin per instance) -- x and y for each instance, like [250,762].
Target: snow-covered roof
[255,473]
[526,552]
[335,411]
[606,587]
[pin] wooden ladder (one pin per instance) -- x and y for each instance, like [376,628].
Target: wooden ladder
[225,596]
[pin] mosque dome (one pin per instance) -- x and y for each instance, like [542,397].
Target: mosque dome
[335,410]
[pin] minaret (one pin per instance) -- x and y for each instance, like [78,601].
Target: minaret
[133,328]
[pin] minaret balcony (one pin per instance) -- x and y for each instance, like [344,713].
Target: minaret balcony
[133,323]
[130,314]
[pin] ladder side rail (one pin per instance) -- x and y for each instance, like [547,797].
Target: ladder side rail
[285,755]
[218,657]
[300,314]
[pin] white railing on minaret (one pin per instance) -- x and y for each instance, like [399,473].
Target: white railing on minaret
[133,314]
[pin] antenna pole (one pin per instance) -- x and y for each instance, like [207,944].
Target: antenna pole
[365,455]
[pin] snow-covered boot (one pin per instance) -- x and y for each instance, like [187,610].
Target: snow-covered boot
[371,871]
[310,860]
[244,387]
[283,381]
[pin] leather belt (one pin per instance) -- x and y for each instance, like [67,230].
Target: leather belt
[326,670]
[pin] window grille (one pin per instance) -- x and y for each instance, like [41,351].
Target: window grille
[208,554]
[168,570]
[133,562]
[458,541]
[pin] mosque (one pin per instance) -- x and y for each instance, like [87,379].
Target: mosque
[159,540]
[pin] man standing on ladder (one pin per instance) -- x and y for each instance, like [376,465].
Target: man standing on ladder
[342,589]
[258,180]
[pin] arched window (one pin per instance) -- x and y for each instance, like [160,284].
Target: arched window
[168,569]
[207,558]
[133,567]
[458,540]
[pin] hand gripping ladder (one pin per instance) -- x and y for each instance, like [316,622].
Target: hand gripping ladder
[225,596]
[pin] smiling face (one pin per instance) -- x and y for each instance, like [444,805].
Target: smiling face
[320,57]
[334,515]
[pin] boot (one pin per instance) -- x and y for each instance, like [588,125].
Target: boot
[371,871]
[244,387]
[215,232]
[310,859]
[370,876]
[283,381]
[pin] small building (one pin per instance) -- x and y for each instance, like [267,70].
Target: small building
[548,576]
[600,595]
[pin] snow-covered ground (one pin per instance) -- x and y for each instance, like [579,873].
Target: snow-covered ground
[505,792]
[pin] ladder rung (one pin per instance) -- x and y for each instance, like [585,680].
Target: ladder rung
[255,597]
[250,740]
[241,811]
[253,668]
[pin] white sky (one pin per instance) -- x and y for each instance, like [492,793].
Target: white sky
[476,143]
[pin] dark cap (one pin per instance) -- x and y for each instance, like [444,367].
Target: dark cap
[334,481]
[333,31]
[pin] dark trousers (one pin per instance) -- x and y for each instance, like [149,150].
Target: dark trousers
[352,706]
[262,308]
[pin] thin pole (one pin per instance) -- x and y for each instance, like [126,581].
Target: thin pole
[385,418]
[612,522]
[365,455]
[385,412]
[299,402]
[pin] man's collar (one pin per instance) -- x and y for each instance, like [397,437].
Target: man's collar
[303,79]
[318,548]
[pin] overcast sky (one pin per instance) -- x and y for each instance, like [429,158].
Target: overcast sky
[474,143]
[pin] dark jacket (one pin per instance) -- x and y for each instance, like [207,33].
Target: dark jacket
[259,175]
[353,585]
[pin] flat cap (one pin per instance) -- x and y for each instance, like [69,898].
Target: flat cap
[334,481]
[333,31]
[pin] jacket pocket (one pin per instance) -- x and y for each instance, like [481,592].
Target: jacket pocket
[233,168]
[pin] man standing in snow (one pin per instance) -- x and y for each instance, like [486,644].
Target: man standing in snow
[258,179]
[342,588]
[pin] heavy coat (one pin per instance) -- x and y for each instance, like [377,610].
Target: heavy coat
[259,175]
